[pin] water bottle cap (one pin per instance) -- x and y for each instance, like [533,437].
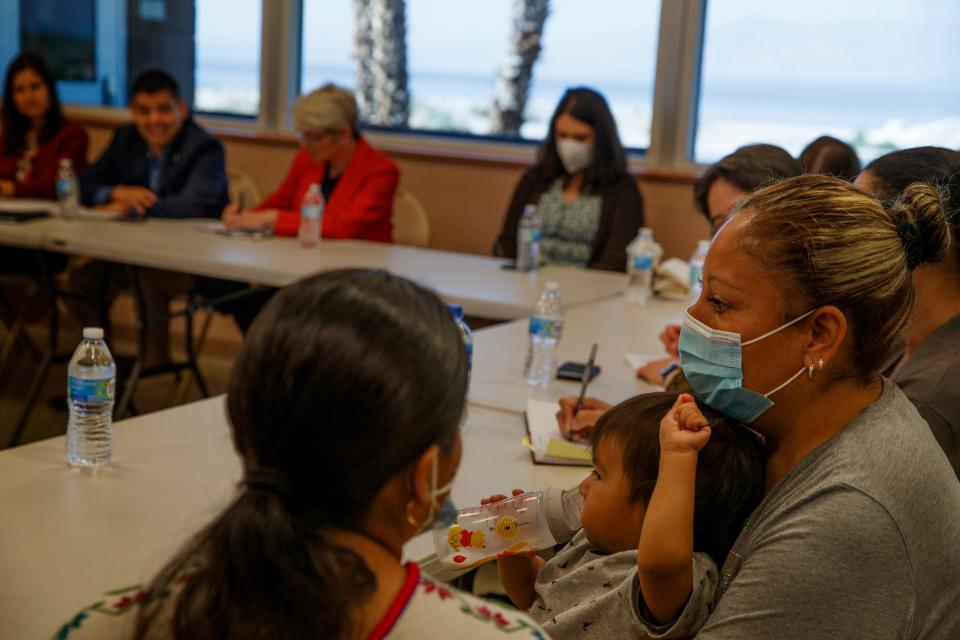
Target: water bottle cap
[703,245]
[456,310]
[552,286]
[66,162]
[92,333]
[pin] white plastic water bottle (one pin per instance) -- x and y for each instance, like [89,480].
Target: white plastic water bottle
[528,522]
[311,217]
[68,191]
[696,269]
[465,332]
[642,256]
[529,232]
[546,328]
[91,382]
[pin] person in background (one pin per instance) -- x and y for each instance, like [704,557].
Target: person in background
[729,180]
[928,370]
[590,205]
[857,531]
[34,137]
[357,182]
[830,157]
[162,165]
[337,478]
[716,193]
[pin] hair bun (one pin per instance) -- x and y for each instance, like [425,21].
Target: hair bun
[921,222]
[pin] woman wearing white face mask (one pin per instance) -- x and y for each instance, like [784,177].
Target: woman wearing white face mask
[590,205]
[345,405]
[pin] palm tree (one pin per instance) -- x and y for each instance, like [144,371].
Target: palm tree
[380,62]
[516,72]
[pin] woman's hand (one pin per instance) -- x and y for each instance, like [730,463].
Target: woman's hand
[233,218]
[578,427]
[670,337]
[650,372]
[684,429]
[499,497]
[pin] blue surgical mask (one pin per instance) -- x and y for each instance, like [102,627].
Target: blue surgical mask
[712,362]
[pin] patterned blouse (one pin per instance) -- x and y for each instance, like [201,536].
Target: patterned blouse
[422,610]
[569,228]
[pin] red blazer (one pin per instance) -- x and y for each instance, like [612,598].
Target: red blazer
[360,206]
[70,142]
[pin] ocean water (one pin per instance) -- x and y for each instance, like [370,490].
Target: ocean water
[874,118]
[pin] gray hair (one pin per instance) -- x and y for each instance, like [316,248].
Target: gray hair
[328,108]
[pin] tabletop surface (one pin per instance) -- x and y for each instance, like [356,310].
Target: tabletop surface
[70,535]
[479,283]
[497,380]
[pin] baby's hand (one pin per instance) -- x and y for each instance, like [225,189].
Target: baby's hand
[684,429]
[499,497]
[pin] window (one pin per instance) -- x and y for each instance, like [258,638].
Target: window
[95,48]
[451,57]
[879,74]
[228,56]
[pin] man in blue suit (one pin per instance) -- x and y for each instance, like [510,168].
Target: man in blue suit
[162,165]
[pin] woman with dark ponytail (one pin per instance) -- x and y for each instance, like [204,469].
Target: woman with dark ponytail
[929,367]
[345,404]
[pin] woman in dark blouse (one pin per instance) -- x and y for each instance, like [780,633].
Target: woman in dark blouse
[35,135]
[590,205]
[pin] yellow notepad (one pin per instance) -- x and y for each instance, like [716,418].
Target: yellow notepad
[546,444]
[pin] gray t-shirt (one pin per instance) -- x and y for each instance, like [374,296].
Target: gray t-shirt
[931,379]
[583,592]
[860,540]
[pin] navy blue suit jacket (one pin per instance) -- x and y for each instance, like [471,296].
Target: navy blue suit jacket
[193,183]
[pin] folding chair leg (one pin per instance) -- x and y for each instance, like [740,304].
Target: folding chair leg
[31,400]
[193,352]
[9,342]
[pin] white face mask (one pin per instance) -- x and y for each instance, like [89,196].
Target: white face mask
[436,492]
[574,154]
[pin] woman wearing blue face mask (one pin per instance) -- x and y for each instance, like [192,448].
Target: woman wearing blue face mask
[345,404]
[807,291]
[590,205]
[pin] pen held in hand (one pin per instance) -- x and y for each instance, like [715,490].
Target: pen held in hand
[584,381]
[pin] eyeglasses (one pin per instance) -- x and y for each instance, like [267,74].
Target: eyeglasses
[313,137]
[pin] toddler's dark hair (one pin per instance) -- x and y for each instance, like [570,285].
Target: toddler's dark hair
[730,468]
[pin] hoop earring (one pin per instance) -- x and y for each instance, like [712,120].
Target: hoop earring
[410,517]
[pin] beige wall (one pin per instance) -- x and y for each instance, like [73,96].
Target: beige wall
[466,200]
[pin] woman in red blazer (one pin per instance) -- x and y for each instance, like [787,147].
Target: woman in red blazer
[357,182]
[35,135]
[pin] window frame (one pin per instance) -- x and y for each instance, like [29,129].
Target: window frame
[674,110]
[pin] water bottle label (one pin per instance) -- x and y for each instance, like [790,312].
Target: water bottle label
[694,278]
[642,262]
[531,235]
[83,390]
[311,212]
[546,327]
[64,188]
